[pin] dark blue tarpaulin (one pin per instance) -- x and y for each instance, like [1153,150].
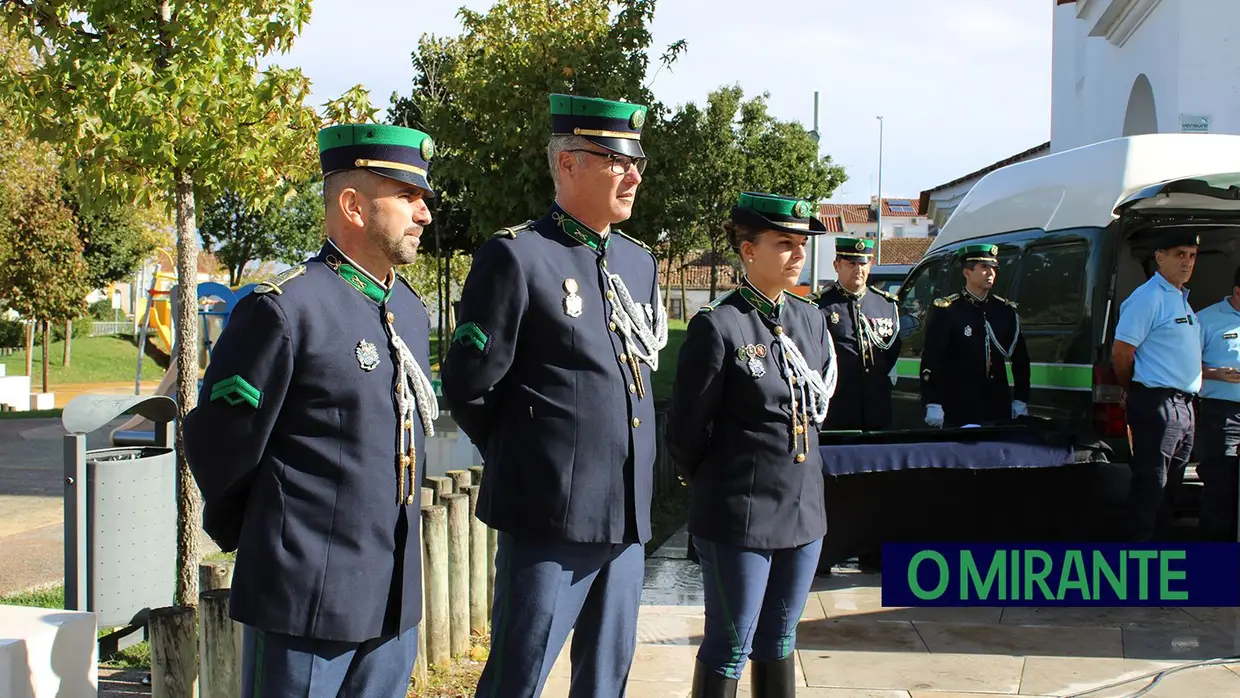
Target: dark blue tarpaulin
[988,448]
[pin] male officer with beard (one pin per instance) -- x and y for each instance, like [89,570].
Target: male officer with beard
[309,440]
[549,374]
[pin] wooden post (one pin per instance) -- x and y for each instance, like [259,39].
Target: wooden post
[475,474]
[215,575]
[219,647]
[420,669]
[441,485]
[492,544]
[174,655]
[458,570]
[435,561]
[477,567]
[428,497]
[460,479]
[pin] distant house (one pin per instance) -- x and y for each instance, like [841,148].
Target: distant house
[695,275]
[902,218]
[939,202]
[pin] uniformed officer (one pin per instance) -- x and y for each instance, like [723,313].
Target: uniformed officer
[1218,426]
[309,440]
[549,374]
[865,324]
[754,381]
[1157,360]
[970,338]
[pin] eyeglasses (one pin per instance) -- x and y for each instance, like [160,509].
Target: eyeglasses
[620,164]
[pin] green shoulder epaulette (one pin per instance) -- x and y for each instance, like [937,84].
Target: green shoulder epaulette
[944,302]
[630,238]
[889,296]
[1005,301]
[273,284]
[715,303]
[511,232]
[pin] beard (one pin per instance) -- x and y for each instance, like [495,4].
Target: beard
[399,249]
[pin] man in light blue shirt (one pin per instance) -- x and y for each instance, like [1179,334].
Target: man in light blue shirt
[1157,359]
[1218,427]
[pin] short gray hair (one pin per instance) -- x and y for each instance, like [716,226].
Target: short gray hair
[559,144]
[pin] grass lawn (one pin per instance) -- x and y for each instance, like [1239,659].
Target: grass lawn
[92,360]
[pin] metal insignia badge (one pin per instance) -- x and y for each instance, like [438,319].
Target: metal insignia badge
[367,355]
[835,318]
[756,369]
[968,330]
[761,350]
[572,301]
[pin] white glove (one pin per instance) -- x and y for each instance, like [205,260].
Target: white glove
[893,375]
[1019,409]
[934,415]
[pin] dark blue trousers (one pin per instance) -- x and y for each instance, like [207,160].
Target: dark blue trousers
[1162,424]
[754,600]
[544,589]
[1218,435]
[285,666]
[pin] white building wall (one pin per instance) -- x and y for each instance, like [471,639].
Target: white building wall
[1106,52]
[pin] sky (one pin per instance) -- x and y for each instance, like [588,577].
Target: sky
[960,84]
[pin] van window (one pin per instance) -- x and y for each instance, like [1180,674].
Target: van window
[1052,284]
[1006,276]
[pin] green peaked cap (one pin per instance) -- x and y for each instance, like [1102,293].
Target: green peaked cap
[616,126]
[854,247]
[400,153]
[783,213]
[983,252]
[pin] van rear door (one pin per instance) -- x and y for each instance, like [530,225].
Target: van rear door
[1208,197]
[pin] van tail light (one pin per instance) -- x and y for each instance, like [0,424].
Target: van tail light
[1110,417]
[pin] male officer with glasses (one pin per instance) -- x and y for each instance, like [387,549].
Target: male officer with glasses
[1157,360]
[549,373]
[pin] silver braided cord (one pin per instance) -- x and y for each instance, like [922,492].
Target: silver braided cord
[992,339]
[631,320]
[815,390]
[872,335]
[409,373]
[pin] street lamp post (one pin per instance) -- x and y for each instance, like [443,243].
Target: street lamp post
[878,238]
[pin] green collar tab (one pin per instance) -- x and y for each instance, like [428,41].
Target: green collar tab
[580,231]
[357,278]
[758,300]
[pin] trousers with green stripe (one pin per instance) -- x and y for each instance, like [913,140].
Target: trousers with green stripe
[754,600]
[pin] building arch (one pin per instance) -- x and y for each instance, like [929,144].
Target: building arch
[1142,114]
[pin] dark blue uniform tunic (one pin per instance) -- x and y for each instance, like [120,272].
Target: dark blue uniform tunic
[295,446]
[863,395]
[549,396]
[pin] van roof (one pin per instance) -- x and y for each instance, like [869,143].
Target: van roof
[1081,187]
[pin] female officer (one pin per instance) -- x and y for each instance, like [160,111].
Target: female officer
[753,380]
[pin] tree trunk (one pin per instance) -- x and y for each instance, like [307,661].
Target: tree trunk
[684,295]
[667,292]
[447,292]
[30,326]
[68,342]
[189,505]
[714,270]
[47,346]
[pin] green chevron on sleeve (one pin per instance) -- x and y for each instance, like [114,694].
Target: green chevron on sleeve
[236,390]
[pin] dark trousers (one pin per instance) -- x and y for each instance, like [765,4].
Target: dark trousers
[1218,435]
[754,600]
[284,666]
[1161,421]
[544,589]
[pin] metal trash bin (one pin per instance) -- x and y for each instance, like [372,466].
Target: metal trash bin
[120,513]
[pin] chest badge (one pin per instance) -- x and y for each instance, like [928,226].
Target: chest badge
[572,301]
[754,353]
[367,355]
[835,318]
[968,330]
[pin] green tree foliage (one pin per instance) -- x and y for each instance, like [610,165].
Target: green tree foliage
[162,101]
[238,234]
[483,95]
[116,237]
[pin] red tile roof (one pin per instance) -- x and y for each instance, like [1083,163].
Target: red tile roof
[697,272]
[862,213]
[904,250]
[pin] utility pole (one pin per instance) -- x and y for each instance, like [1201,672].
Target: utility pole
[813,240]
[878,238]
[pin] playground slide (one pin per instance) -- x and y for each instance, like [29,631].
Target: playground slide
[168,387]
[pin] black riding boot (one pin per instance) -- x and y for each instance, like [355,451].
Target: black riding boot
[777,679]
[711,684]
